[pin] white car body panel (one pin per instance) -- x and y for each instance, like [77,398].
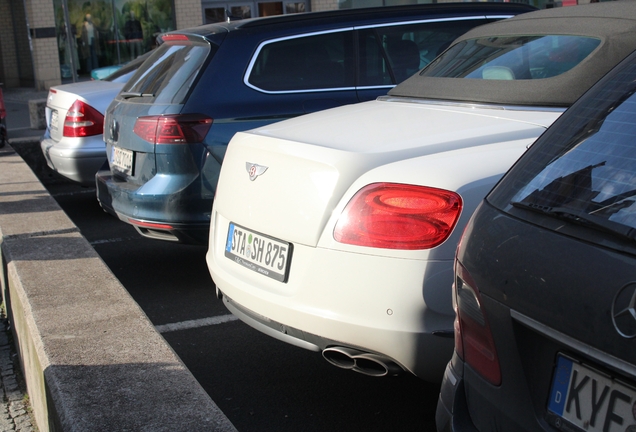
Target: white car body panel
[383,301]
[76,158]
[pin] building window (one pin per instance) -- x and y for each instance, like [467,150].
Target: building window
[97,34]
[217,12]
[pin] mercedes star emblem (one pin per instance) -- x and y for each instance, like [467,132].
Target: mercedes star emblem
[624,311]
[254,170]
[114,131]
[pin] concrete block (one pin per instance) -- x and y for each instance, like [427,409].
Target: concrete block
[36,113]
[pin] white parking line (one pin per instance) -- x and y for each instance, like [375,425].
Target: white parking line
[203,322]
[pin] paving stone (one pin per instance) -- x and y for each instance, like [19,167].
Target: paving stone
[6,424]
[14,395]
[22,421]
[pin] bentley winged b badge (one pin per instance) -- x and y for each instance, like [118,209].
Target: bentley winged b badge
[254,170]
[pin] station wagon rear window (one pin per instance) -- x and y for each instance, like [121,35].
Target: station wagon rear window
[512,57]
[168,74]
[583,172]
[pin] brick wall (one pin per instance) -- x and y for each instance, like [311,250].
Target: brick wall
[188,13]
[17,66]
[8,74]
[46,63]
[323,5]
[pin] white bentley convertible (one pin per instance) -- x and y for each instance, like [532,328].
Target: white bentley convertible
[336,231]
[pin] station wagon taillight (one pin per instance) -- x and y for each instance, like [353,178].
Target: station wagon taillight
[398,216]
[174,37]
[173,129]
[83,120]
[473,338]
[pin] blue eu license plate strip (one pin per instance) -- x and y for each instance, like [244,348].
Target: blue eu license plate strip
[560,385]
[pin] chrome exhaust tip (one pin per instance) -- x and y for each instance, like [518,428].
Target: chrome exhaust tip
[363,362]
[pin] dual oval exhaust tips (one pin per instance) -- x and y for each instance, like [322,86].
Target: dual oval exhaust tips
[363,362]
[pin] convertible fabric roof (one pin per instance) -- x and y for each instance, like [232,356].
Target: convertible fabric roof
[614,23]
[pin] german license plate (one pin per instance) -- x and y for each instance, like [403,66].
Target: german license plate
[589,400]
[258,252]
[53,124]
[122,160]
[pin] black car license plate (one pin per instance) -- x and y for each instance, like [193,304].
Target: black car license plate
[122,160]
[258,252]
[589,400]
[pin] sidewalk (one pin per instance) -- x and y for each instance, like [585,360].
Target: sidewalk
[14,407]
[16,101]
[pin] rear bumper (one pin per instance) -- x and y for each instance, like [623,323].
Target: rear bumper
[77,159]
[182,216]
[452,409]
[392,307]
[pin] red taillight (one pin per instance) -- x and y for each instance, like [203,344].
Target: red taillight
[473,339]
[173,129]
[398,216]
[174,37]
[83,120]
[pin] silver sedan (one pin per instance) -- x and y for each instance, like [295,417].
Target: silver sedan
[72,143]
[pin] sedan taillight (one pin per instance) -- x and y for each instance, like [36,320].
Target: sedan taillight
[398,216]
[173,129]
[83,120]
[473,338]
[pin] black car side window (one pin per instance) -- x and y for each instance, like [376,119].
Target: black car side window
[374,68]
[316,62]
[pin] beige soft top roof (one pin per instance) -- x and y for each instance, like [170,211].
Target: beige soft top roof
[614,23]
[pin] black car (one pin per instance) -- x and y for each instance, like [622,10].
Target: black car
[545,281]
[168,129]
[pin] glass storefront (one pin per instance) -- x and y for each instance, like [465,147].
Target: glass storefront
[235,10]
[99,33]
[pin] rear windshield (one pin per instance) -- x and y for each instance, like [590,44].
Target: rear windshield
[169,72]
[123,74]
[583,169]
[512,57]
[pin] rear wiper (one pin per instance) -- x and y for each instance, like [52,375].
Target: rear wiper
[581,218]
[128,95]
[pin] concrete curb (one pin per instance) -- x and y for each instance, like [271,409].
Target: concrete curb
[91,359]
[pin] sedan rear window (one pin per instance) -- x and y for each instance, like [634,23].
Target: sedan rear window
[169,72]
[512,57]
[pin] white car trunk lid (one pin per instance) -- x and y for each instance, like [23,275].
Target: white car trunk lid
[307,164]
